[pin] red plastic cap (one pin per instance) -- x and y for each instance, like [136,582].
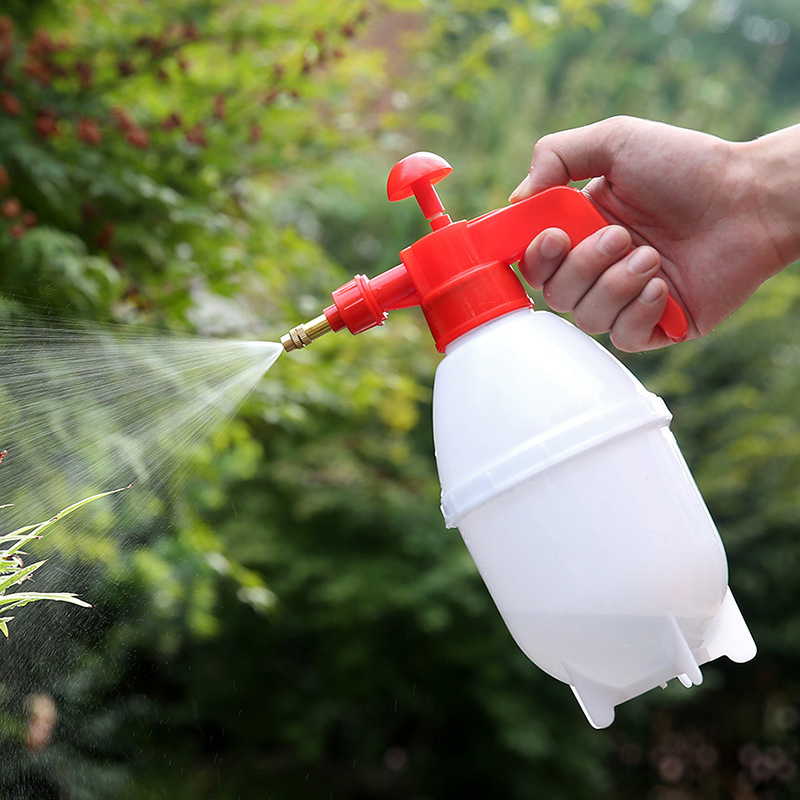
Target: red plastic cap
[416,174]
[422,166]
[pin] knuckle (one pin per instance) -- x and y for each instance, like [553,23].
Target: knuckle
[555,302]
[618,290]
[545,144]
[589,323]
[627,340]
[622,344]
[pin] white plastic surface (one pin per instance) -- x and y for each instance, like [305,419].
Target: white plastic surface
[562,475]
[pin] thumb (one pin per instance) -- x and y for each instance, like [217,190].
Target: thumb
[573,155]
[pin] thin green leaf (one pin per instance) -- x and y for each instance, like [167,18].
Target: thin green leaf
[37,529]
[19,575]
[4,625]
[18,533]
[19,599]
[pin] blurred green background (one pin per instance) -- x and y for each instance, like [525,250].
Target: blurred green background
[219,167]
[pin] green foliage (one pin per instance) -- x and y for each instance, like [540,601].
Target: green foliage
[293,620]
[13,571]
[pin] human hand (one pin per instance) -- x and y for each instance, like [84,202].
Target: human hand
[705,219]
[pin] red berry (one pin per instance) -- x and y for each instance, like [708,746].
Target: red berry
[104,238]
[89,131]
[122,119]
[42,41]
[11,208]
[85,74]
[10,104]
[46,123]
[270,96]
[39,71]
[197,136]
[172,121]
[138,137]
[158,46]
[219,107]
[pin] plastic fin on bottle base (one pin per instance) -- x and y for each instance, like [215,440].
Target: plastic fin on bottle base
[596,700]
[728,634]
[685,664]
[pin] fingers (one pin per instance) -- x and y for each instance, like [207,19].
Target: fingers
[544,256]
[635,329]
[607,285]
[619,285]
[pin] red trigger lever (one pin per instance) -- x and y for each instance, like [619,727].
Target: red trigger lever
[570,210]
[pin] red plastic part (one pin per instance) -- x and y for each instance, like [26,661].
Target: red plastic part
[418,167]
[362,303]
[416,174]
[460,274]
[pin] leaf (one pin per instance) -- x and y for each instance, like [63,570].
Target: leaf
[18,532]
[20,599]
[4,625]
[19,575]
[37,529]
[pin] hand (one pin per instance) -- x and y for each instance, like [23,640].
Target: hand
[703,218]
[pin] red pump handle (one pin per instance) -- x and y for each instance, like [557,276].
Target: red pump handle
[504,234]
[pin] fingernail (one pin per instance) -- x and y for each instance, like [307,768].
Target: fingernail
[651,293]
[642,261]
[613,241]
[553,246]
[523,190]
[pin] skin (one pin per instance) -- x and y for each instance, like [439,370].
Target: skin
[703,218]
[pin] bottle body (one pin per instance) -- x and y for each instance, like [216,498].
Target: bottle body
[561,473]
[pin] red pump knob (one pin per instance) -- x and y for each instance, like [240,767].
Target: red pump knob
[416,174]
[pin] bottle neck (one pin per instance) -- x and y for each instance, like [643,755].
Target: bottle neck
[466,338]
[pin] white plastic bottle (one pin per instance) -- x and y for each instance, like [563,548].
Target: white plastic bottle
[556,465]
[561,473]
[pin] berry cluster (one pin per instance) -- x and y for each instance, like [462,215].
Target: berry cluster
[46,63]
[54,91]
[14,215]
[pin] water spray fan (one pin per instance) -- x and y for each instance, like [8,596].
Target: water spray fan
[557,466]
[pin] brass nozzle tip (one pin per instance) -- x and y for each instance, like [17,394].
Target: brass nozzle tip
[305,333]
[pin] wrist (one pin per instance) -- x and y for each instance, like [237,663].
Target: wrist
[775,163]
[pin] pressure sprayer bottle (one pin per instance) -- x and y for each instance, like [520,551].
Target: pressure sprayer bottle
[556,464]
